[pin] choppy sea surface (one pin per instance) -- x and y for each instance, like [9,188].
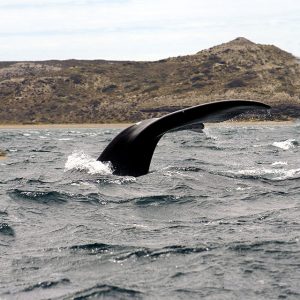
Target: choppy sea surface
[217,217]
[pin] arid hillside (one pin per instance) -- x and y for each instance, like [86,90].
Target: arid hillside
[98,91]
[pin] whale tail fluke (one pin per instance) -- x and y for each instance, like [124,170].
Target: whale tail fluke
[131,151]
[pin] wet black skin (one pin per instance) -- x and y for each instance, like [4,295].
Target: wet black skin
[131,151]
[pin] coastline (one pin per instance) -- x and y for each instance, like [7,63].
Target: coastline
[124,125]
[239,123]
[65,126]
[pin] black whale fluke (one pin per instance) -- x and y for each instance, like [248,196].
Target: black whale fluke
[131,151]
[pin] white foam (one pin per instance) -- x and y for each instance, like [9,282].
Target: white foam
[239,188]
[83,162]
[258,172]
[286,145]
[279,163]
[289,174]
[275,174]
[65,139]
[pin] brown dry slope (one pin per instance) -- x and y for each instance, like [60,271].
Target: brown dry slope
[81,91]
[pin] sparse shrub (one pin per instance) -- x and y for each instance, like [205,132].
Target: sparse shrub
[236,83]
[110,88]
[198,85]
[76,78]
[195,78]
[214,58]
[151,88]
[249,75]
[98,71]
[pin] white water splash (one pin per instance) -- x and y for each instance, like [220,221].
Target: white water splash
[286,145]
[83,162]
[209,134]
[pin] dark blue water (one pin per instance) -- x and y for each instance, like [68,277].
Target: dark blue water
[216,218]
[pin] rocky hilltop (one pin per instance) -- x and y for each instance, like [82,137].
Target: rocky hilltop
[92,91]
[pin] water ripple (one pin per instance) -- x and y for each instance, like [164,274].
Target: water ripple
[47,284]
[45,197]
[101,291]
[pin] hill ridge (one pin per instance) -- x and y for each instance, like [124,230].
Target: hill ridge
[100,91]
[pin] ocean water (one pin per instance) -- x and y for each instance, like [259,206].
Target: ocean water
[217,217]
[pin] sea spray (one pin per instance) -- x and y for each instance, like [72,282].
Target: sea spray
[83,162]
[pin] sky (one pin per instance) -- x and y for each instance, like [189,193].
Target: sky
[140,29]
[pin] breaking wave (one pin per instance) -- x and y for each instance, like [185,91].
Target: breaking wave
[101,291]
[287,144]
[271,174]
